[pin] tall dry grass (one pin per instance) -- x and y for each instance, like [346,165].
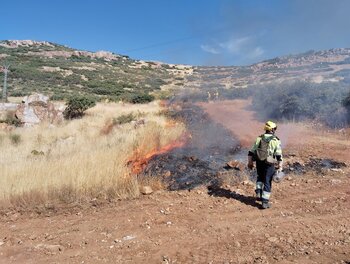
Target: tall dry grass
[74,161]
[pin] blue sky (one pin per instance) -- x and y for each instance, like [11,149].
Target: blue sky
[197,32]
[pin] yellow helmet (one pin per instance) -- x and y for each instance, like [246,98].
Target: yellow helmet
[270,126]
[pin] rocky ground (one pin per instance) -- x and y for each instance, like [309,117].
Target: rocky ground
[308,223]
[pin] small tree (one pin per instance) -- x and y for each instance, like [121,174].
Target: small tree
[77,105]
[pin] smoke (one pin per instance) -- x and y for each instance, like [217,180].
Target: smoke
[257,30]
[298,101]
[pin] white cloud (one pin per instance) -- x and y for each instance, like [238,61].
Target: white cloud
[235,45]
[210,49]
[244,48]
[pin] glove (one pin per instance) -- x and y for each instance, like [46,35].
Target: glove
[250,165]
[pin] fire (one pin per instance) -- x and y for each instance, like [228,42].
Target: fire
[139,161]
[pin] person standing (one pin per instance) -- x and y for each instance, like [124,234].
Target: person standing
[267,154]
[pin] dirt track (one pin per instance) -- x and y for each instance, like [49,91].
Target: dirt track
[309,221]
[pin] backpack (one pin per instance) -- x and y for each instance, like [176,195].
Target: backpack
[262,152]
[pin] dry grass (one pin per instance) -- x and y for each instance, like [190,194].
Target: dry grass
[74,161]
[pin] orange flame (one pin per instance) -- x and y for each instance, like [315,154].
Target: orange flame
[139,162]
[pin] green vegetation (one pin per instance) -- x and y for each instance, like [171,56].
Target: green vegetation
[77,105]
[15,139]
[60,73]
[124,119]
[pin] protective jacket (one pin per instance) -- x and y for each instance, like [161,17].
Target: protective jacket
[267,147]
[266,150]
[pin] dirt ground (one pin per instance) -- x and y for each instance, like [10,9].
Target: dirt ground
[309,221]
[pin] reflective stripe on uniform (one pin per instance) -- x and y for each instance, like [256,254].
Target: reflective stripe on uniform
[266,195]
[259,185]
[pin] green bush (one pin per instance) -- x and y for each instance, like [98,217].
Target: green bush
[123,119]
[18,93]
[58,97]
[141,98]
[77,105]
[15,139]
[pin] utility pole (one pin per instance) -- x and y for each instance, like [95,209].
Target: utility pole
[4,90]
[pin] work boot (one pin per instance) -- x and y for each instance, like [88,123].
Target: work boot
[258,194]
[266,205]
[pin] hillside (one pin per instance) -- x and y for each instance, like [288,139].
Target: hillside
[330,66]
[59,71]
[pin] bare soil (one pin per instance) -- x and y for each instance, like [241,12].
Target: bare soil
[309,221]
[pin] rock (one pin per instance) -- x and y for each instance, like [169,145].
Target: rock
[167,174]
[128,238]
[53,249]
[248,183]
[37,108]
[235,164]
[237,244]
[272,239]
[1,242]
[337,170]
[335,181]
[145,190]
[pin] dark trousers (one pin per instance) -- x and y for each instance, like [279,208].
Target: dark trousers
[265,173]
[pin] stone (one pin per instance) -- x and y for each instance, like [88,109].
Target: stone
[128,238]
[248,183]
[235,164]
[37,108]
[272,239]
[146,190]
[50,248]
[167,174]
[335,181]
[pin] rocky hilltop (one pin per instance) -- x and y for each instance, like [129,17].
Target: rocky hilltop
[322,66]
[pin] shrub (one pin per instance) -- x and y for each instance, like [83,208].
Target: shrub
[123,119]
[15,139]
[77,105]
[141,98]
[18,93]
[58,97]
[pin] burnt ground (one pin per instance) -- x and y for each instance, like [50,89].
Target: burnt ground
[308,223]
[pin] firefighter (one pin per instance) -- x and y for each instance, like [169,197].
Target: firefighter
[267,153]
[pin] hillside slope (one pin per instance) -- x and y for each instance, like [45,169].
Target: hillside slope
[59,71]
[316,67]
